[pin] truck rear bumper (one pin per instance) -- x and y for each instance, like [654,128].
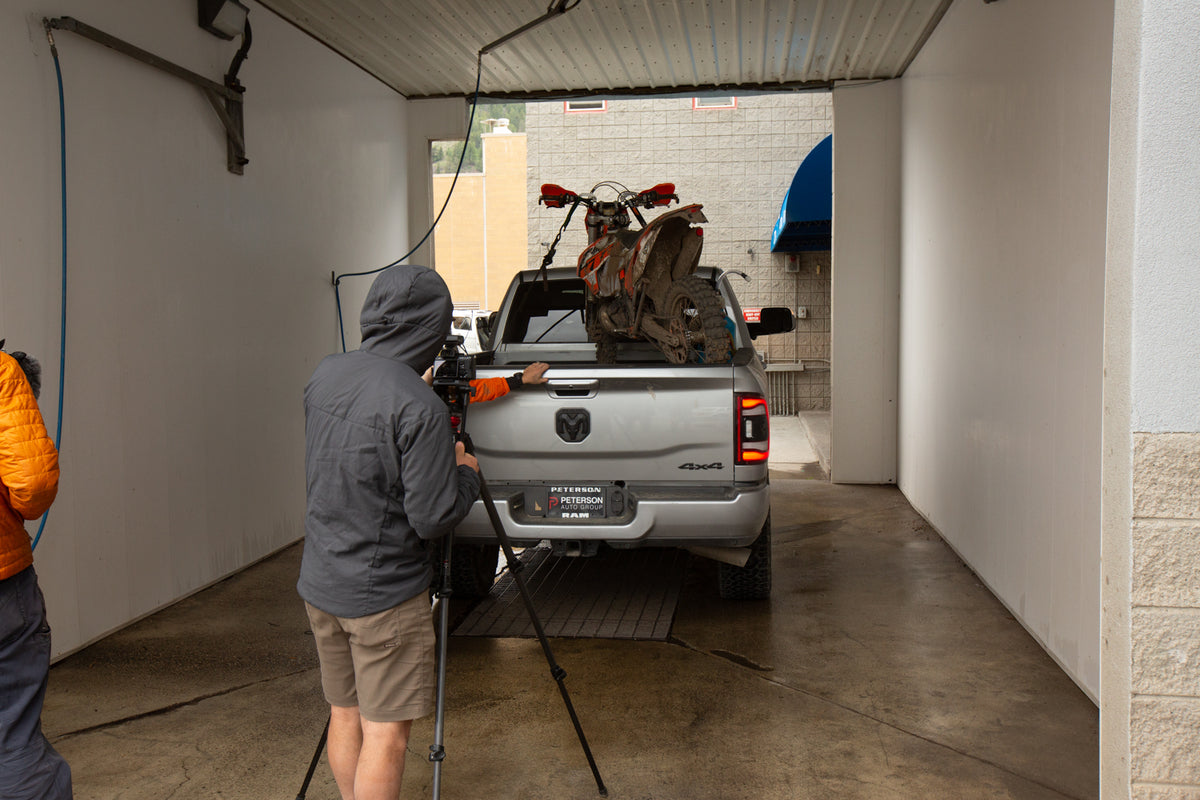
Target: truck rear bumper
[659,516]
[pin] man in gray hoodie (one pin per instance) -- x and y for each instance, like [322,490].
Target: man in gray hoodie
[385,477]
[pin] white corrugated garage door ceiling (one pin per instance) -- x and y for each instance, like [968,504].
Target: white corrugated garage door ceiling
[428,48]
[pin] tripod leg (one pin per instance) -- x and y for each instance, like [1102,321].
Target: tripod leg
[559,674]
[437,753]
[312,767]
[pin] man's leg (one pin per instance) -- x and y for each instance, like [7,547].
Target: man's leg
[381,760]
[343,746]
[394,679]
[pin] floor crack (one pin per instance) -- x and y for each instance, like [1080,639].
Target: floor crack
[746,663]
[172,707]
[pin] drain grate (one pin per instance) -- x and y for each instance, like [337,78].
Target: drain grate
[617,594]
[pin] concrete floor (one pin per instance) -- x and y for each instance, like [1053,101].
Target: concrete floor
[881,668]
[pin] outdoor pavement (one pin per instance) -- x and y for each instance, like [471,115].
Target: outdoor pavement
[880,668]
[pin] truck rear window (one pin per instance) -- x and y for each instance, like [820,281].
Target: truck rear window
[548,315]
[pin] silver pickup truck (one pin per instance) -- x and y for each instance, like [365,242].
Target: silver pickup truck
[639,453]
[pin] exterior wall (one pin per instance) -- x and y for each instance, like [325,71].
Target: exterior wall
[1150,714]
[504,163]
[1004,165]
[198,302]
[1164,621]
[809,346]
[481,239]
[737,162]
[459,241]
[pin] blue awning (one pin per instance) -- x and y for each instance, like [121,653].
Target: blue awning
[806,218]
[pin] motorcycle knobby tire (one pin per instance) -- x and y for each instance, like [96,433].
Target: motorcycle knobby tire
[606,343]
[699,310]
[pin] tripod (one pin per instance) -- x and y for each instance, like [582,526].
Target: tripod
[437,752]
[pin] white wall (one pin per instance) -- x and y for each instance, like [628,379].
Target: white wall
[1005,147]
[1166,350]
[199,301]
[866,283]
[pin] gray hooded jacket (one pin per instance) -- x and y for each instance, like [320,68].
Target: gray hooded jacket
[379,455]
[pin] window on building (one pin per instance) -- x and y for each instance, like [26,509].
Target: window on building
[714,102]
[585,105]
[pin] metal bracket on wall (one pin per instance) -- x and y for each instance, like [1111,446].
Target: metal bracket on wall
[226,99]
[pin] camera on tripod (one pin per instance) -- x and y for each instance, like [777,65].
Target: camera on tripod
[453,371]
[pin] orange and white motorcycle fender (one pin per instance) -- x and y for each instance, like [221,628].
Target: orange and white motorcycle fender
[600,266]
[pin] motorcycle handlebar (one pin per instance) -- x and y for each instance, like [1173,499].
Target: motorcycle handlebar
[555,196]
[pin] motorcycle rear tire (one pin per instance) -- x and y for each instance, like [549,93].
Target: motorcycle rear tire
[699,310]
[606,343]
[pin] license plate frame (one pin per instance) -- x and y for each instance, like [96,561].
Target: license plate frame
[567,501]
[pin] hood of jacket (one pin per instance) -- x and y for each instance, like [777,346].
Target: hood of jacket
[407,315]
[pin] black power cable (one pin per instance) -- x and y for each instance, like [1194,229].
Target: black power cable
[554,9]
[337,279]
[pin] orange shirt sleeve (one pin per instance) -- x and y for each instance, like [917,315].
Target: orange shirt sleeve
[488,389]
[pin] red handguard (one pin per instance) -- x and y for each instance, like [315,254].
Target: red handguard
[660,195]
[555,196]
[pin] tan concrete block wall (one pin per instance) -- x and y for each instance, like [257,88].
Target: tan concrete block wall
[504,165]
[480,241]
[458,238]
[1166,468]
[1166,563]
[1150,792]
[1165,619]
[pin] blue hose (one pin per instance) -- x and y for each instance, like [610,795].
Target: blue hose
[62,340]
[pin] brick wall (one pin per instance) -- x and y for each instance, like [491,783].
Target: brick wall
[737,162]
[1165,618]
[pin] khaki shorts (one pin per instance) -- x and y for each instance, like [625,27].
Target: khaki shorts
[383,663]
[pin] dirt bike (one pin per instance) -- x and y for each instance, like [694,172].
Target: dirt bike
[641,283]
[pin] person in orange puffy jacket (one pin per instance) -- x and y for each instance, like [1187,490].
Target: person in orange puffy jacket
[29,767]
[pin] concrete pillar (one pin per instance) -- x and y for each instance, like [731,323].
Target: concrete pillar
[866,283]
[1150,661]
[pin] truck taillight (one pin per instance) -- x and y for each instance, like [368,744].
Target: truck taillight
[753,429]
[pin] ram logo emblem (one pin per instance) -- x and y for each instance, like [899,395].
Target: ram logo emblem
[573,424]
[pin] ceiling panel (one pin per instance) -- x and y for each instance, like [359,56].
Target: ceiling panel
[425,48]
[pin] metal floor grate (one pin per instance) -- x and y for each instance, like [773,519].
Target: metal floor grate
[617,594]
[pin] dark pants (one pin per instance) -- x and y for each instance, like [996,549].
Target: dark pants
[30,769]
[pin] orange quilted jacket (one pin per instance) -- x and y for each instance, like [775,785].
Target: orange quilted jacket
[28,466]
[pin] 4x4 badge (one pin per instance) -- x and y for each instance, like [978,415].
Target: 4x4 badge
[573,424]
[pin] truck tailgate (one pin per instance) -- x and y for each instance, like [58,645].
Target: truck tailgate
[643,425]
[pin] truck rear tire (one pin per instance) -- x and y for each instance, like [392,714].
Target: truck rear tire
[753,581]
[473,569]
